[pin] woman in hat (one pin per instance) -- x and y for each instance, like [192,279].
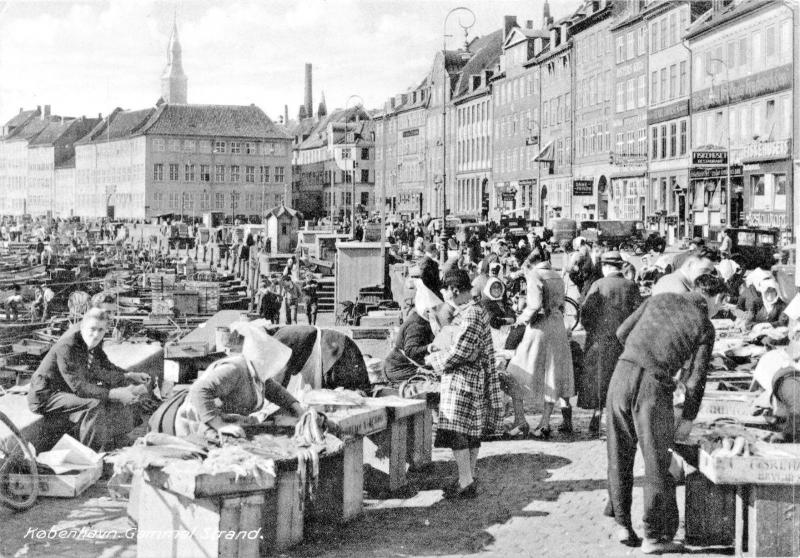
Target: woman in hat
[543,360]
[232,388]
[608,303]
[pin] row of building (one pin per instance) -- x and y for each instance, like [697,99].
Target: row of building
[173,158]
[673,113]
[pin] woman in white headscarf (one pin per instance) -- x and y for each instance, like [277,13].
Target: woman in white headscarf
[234,387]
[763,303]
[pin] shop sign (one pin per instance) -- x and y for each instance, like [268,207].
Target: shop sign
[668,112]
[411,133]
[709,157]
[628,159]
[764,151]
[582,188]
[762,83]
[509,196]
[767,219]
[700,172]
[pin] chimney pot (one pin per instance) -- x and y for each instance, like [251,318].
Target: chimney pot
[47,111]
[509,22]
[529,24]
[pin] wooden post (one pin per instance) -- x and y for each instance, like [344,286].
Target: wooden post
[397,457]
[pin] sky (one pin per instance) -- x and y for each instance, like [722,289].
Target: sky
[85,57]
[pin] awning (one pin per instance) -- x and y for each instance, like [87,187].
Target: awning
[546,155]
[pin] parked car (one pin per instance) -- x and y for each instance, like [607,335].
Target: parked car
[754,248]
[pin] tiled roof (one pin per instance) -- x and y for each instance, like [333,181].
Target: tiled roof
[734,10]
[213,120]
[50,133]
[487,51]
[21,118]
[29,130]
[318,137]
[119,124]
[281,209]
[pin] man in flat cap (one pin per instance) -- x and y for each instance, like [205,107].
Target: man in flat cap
[608,303]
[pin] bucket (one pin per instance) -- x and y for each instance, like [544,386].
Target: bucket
[221,338]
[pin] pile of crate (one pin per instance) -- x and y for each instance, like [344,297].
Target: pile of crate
[207,286]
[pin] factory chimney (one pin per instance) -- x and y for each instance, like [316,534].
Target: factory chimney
[308,97]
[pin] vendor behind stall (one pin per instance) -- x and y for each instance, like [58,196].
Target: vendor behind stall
[779,374]
[237,385]
[761,301]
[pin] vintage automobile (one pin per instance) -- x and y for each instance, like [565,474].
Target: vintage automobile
[625,235]
[754,248]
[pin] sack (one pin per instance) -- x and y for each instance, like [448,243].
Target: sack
[163,419]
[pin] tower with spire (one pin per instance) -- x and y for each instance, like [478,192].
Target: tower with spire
[173,80]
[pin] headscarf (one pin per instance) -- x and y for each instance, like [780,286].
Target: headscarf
[763,286]
[267,356]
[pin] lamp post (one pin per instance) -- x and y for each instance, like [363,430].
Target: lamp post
[352,165]
[728,135]
[445,88]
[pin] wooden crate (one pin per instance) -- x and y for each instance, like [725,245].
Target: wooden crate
[207,486]
[782,470]
[185,350]
[57,486]
[710,511]
[31,347]
[767,521]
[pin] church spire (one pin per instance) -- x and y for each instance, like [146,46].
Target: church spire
[322,110]
[173,80]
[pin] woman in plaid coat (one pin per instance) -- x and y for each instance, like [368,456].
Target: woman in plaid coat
[471,397]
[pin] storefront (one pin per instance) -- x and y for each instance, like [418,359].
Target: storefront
[505,196]
[409,204]
[628,197]
[767,186]
[668,208]
[708,199]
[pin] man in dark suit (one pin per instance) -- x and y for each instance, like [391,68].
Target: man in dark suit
[608,303]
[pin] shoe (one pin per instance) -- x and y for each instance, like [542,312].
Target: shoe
[660,546]
[520,431]
[458,493]
[541,433]
[627,536]
[594,425]
[566,424]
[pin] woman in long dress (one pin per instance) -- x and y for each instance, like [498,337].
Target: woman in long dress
[543,360]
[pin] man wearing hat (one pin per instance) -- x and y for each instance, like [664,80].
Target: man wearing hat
[608,303]
[682,279]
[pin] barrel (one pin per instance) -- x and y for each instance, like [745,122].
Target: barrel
[221,337]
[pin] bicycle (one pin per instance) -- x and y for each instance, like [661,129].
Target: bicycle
[16,457]
[572,314]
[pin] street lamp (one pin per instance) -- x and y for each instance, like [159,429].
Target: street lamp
[728,129]
[445,81]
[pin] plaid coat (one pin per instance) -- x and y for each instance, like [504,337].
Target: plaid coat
[471,396]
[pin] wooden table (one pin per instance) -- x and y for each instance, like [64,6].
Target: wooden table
[180,514]
[410,439]
[767,502]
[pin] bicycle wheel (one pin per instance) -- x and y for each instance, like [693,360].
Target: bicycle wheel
[16,457]
[572,314]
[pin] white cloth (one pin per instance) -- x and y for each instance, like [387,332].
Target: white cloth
[267,355]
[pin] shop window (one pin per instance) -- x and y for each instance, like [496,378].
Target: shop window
[780,192]
[758,191]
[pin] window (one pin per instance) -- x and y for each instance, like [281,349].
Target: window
[654,87]
[673,80]
[780,192]
[249,173]
[743,52]
[673,139]
[278,174]
[188,173]
[365,153]
[219,146]
[758,50]
[219,173]
[158,144]
[683,138]
[205,173]
[620,49]
[263,173]
[236,147]
[785,44]
[189,146]
[683,79]
[663,32]
[631,51]
[673,28]
[250,148]
[631,98]
[204,146]
[757,191]
[219,200]
[664,96]
[175,145]
[364,175]
[620,96]
[158,171]
[234,173]
[365,199]
[642,90]
[663,141]
[173,171]
[642,42]
[654,38]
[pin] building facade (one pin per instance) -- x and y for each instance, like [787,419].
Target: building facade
[555,155]
[517,125]
[594,111]
[627,192]
[741,107]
